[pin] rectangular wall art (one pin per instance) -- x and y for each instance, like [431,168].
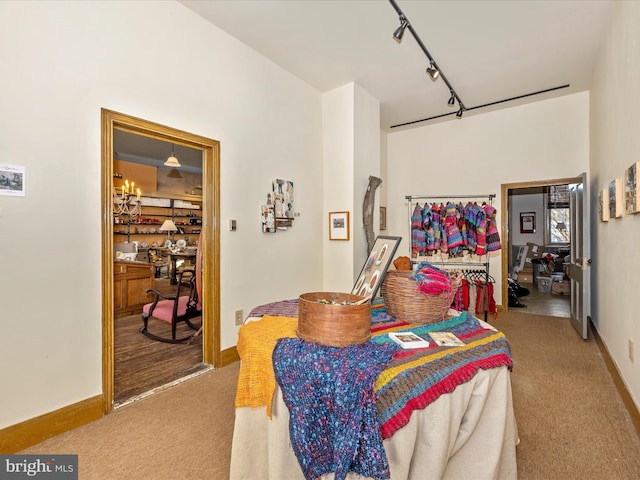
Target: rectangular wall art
[603,205]
[615,198]
[631,197]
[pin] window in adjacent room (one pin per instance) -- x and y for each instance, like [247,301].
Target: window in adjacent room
[558,215]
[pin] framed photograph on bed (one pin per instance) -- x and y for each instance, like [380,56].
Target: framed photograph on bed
[376,266]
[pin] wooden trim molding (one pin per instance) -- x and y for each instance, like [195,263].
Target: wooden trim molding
[35,430]
[229,356]
[632,408]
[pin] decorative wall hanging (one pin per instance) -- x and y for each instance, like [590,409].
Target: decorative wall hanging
[278,213]
[528,222]
[375,268]
[615,198]
[367,210]
[268,216]
[383,218]
[339,226]
[12,180]
[631,196]
[603,205]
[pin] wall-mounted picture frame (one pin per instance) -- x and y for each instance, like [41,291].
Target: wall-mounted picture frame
[12,181]
[339,226]
[383,218]
[615,198]
[376,266]
[528,222]
[603,205]
[631,194]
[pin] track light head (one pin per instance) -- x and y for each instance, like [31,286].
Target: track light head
[452,99]
[404,23]
[460,112]
[433,72]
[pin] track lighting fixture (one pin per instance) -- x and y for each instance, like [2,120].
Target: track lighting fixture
[433,72]
[404,23]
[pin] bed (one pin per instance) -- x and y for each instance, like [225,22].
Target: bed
[457,423]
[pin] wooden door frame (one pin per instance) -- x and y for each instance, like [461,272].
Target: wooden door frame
[111,120]
[504,234]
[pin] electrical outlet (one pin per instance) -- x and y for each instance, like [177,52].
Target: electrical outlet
[632,348]
[239,317]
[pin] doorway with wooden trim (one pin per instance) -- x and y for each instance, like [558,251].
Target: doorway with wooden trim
[113,122]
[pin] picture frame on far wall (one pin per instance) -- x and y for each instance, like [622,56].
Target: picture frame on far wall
[615,198]
[603,205]
[631,194]
[339,226]
[376,266]
[528,222]
[383,218]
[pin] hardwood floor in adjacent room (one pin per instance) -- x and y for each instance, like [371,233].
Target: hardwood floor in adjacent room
[142,364]
[541,303]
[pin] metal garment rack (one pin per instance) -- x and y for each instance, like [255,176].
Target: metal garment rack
[455,265]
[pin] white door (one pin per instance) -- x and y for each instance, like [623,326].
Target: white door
[579,269]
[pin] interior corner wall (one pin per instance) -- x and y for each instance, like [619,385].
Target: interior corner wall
[533,202]
[351,140]
[338,124]
[367,163]
[615,143]
[478,153]
[114,55]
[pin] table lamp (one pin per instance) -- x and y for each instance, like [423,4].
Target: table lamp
[169,227]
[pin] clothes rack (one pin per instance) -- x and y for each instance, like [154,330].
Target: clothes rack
[479,267]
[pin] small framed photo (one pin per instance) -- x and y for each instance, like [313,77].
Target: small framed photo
[528,222]
[376,266]
[383,218]
[339,226]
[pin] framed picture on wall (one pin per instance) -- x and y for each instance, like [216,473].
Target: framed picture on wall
[376,266]
[528,222]
[383,218]
[631,198]
[338,225]
[603,205]
[615,198]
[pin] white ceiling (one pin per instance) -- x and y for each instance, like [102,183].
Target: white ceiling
[488,50]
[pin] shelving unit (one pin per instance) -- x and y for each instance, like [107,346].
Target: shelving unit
[186,214]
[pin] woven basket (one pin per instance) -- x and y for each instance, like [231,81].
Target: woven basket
[405,302]
[333,325]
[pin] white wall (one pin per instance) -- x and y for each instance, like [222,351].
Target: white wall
[477,154]
[615,144]
[61,63]
[527,203]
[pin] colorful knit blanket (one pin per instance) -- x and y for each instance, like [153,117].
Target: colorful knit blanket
[333,420]
[415,378]
[410,381]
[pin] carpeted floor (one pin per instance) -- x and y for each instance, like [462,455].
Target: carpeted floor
[571,421]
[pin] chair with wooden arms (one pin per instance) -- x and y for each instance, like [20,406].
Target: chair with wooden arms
[184,306]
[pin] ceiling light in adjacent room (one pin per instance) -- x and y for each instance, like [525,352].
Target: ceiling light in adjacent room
[172,161]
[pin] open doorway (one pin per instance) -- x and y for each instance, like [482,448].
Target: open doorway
[114,124]
[533,265]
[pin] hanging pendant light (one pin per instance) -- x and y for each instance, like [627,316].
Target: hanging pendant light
[172,161]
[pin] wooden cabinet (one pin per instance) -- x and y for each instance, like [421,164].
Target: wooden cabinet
[131,280]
